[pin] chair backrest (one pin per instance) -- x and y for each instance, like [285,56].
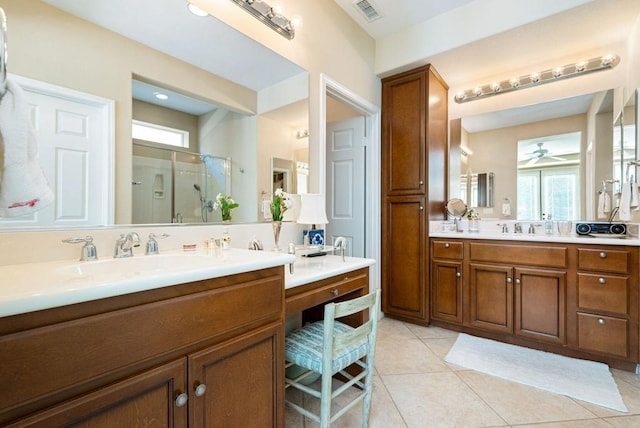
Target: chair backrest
[339,341]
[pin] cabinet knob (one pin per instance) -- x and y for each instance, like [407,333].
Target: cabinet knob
[458,274]
[200,390]
[509,280]
[603,255]
[421,208]
[602,280]
[518,281]
[334,292]
[421,182]
[182,399]
[446,245]
[601,321]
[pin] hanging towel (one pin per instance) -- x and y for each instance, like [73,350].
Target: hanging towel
[625,203]
[634,196]
[23,188]
[604,205]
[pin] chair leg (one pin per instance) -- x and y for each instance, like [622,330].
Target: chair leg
[325,400]
[368,394]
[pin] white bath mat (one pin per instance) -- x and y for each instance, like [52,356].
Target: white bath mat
[584,380]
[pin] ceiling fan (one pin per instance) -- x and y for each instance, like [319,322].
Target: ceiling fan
[541,153]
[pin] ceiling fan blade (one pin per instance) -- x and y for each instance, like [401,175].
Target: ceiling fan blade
[557,158]
[532,161]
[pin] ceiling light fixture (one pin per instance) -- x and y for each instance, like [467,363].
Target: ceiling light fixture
[271,16]
[538,78]
[161,96]
[196,10]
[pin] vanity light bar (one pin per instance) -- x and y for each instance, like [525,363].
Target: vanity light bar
[538,78]
[269,16]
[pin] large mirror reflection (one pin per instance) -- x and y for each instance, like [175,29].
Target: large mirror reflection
[231,106]
[549,153]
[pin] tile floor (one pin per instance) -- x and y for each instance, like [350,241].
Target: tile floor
[414,387]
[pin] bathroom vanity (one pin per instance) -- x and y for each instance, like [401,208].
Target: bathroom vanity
[570,295]
[200,344]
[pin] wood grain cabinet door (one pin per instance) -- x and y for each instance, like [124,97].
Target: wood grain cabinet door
[540,310]
[446,291]
[149,399]
[491,297]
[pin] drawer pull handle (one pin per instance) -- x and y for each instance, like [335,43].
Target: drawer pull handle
[603,255]
[201,389]
[446,245]
[602,280]
[182,399]
[601,321]
[458,274]
[334,291]
[509,280]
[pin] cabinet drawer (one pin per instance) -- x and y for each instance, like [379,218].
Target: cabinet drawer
[603,260]
[447,249]
[319,292]
[530,255]
[603,293]
[602,334]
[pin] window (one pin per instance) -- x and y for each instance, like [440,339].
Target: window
[554,190]
[159,134]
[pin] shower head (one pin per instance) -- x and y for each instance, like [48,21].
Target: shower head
[195,186]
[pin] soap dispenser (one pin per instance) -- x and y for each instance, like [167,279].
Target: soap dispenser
[548,225]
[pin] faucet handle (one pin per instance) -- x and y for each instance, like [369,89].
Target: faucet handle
[152,244]
[88,251]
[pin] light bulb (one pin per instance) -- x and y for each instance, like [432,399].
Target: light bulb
[278,8]
[477,91]
[607,60]
[535,77]
[296,21]
[196,10]
[557,72]
[580,66]
[460,96]
[496,87]
[515,82]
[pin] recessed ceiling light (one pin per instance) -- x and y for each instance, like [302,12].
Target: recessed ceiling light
[196,10]
[161,96]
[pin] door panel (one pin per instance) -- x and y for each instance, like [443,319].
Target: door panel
[491,297]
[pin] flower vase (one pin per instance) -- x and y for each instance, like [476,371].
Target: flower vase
[276,225]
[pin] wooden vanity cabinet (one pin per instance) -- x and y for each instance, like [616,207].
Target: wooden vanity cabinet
[203,354]
[446,280]
[414,186]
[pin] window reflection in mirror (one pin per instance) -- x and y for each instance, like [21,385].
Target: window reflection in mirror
[549,177]
[476,189]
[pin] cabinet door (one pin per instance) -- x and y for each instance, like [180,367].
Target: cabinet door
[446,291]
[148,399]
[403,133]
[540,311]
[240,382]
[404,249]
[491,297]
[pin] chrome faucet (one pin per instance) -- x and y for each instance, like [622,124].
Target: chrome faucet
[88,252]
[125,244]
[255,244]
[517,228]
[152,244]
[505,227]
[292,250]
[341,244]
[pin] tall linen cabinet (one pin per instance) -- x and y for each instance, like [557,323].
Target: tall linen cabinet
[414,186]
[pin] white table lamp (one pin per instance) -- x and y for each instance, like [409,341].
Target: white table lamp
[312,212]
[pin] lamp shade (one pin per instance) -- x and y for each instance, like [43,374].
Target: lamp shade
[292,213]
[312,209]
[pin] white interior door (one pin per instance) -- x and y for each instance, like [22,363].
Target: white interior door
[346,189]
[74,132]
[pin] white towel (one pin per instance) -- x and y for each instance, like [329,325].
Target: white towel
[602,203]
[24,188]
[634,196]
[624,212]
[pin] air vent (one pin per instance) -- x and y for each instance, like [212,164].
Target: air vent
[368,9]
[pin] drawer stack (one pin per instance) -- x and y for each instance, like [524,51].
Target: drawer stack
[603,301]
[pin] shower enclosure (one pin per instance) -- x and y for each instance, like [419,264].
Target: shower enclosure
[171,186]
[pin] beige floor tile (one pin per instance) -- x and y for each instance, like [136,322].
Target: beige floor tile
[406,356]
[439,400]
[441,348]
[390,329]
[629,377]
[624,421]
[588,423]
[521,404]
[430,332]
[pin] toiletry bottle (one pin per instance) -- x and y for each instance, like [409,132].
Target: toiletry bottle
[548,225]
[226,239]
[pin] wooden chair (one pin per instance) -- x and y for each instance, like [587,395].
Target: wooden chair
[329,347]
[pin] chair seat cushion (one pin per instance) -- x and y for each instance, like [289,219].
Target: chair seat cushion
[304,347]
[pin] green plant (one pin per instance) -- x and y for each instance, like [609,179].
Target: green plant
[225,204]
[279,205]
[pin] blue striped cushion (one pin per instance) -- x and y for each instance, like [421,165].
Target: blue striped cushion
[304,347]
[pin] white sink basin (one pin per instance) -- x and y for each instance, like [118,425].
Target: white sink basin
[137,266]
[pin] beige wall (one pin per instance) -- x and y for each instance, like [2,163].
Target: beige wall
[497,151]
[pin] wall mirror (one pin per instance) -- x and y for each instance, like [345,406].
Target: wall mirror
[243,117]
[476,189]
[525,137]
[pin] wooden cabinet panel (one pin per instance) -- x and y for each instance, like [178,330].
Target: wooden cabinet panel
[447,249]
[446,291]
[603,293]
[528,255]
[540,311]
[243,381]
[147,399]
[603,334]
[491,297]
[404,281]
[603,260]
